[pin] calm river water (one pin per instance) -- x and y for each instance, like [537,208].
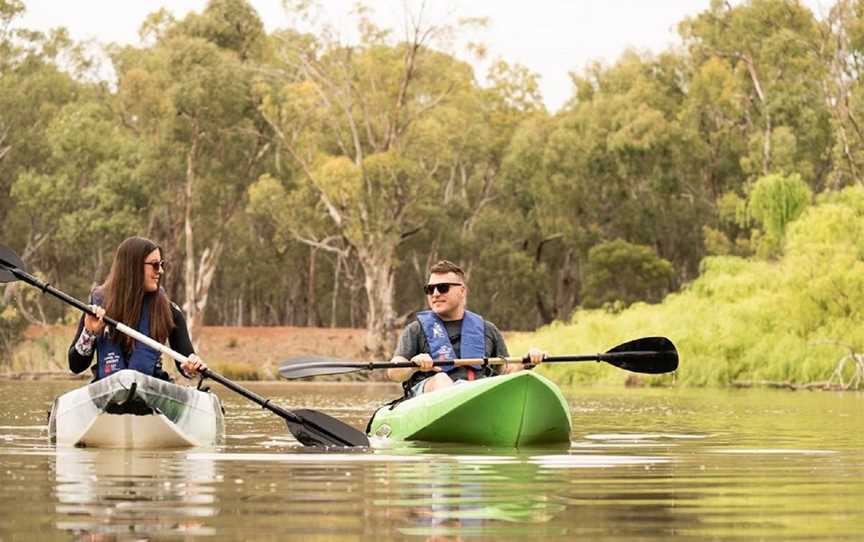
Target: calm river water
[643,465]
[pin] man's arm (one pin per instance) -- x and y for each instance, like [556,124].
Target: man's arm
[400,374]
[534,355]
[409,346]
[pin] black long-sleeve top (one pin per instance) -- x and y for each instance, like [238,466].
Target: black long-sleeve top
[178,340]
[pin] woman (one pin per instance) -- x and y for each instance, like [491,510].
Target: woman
[132,295]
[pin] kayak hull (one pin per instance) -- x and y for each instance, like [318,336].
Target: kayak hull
[520,409]
[132,410]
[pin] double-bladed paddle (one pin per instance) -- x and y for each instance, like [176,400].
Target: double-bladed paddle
[649,355]
[309,427]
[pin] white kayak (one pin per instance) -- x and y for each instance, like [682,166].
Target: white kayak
[129,409]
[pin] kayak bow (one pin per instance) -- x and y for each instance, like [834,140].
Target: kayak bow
[519,409]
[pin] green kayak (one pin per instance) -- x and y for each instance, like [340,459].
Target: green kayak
[520,409]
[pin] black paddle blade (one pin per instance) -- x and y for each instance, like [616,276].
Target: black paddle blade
[8,260]
[649,355]
[323,431]
[304,366]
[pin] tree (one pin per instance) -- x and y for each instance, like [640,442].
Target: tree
[188,98]
[375,134]
[775,201]
[843,55]
[37,186]
[773,47]
[621,272]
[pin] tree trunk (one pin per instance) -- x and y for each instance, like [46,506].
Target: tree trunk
[378,268]
[198,277]
[334,304]
[766,144]
[310,290]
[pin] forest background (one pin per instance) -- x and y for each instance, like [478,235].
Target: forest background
[710,193]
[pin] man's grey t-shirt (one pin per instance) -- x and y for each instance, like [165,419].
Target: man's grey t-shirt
[413,340]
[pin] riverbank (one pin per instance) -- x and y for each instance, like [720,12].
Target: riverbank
[239,353]
[243,353]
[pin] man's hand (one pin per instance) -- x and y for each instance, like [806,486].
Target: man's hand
[535,356]
[425,362]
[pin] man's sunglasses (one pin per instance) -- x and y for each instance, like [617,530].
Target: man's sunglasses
[157,266]
[442,287]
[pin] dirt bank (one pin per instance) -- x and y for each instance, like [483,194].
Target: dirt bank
[238,352]
[244,353]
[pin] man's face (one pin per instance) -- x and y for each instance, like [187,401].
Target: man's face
[449,305]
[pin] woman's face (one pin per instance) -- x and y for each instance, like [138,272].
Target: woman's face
[153,269]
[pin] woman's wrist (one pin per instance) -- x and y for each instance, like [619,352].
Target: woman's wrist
[85,342]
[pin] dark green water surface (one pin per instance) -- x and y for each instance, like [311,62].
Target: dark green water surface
[643,465]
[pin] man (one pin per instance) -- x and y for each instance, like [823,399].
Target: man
[448,331]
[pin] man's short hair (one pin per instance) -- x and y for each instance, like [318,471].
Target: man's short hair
[446,266]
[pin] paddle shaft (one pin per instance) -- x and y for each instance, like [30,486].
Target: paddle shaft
[647,355]
[140,337]
[461,362]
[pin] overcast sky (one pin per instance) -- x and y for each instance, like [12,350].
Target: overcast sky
[550,37]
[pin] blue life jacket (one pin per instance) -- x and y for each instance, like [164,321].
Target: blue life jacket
[472,344]
[110,356]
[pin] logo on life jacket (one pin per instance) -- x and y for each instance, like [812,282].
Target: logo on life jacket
[473,342]
[445,352]
[112,362]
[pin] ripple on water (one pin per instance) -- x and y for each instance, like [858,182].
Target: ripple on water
[716,466]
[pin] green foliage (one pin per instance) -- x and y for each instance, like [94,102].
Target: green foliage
[775,201]
[748,320]
[773,49]
[626,273]
[230,24]
[314,181]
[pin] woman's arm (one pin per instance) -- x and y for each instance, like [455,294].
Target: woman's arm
[179,338]
[81,350]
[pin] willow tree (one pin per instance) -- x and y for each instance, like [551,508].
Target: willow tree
[371,131]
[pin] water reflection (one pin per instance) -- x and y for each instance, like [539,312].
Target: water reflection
[105,493]
[645,465]
[447,497]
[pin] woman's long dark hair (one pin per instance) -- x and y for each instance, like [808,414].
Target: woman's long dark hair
[123,292]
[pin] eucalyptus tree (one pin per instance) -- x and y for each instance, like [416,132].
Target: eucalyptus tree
[479,221]
[843,54]
[86,195]
[33,89]
[43,169]
[187,96]
[376,134]
[773,47]
[616,165]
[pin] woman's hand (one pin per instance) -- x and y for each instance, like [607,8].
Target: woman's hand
[193,365]
[95,324]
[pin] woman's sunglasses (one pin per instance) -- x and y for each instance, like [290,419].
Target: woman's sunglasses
[157,266]
[442,287]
